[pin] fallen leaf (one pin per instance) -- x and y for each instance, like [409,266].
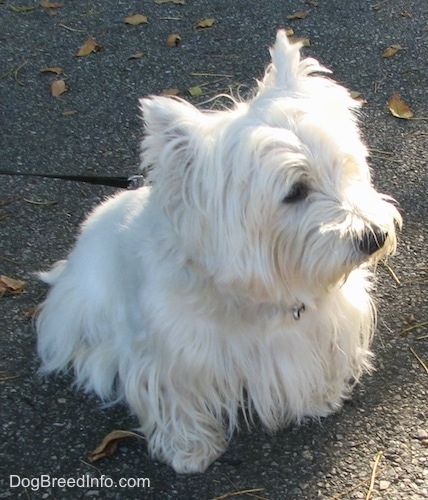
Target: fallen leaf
[205,23]
[178,2]
[314,3]
[289,32]
[399,108]
[109,444]
[89,46]
[195,91]
[51,5]
[69,112]
[410,320]
[357,96]
[136,19]
[54,69]
[173,40]
[305,41]
[58,87]
[25,8]
[169,92]
[392,50]
[298,15]
[137,55]
[11,285]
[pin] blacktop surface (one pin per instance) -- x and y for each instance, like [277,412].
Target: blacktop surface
[48,428]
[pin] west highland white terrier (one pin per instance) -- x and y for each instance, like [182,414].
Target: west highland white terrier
[238,279]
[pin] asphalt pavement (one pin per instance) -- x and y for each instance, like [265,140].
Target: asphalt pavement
[377,446]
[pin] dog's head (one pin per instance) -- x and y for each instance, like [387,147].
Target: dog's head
[275,194]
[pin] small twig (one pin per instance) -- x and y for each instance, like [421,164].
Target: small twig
[353,488]
[412,327]
[376,6]
[43,203]
[3,203]
[71,29]
[385,158]
[421,361]
[418,118]
[379,84]
[212,74]
[11,377]
[373,476]
[375,150]
[235,493]
[2,257]
[391,271]
[16,71]
[359,443]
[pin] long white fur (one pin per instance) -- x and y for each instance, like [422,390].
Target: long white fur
[178,297]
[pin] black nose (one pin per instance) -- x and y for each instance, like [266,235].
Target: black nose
[372,241]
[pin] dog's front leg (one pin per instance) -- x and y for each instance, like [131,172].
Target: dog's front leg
[180,416]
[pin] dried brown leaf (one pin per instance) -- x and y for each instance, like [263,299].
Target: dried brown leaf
[298,15]
[58,87]
[196,91]
[357,96]
[205,23]
[54,69]
[24,8]
[392,50]
[304,41]
[178,2]
[109,444]
[399,108]
[170,92]
[173,40]
[136,19]
[51,5]
[137,55]
[11,285]
[88,47]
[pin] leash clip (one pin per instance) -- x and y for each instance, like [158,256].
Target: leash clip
[135,181]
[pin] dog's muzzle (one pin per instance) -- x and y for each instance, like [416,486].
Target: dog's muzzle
[372,241]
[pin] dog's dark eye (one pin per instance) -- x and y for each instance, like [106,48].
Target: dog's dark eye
[298,192]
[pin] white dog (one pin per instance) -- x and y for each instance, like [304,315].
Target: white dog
[239,279]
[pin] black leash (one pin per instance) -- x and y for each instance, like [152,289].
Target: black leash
[132,182]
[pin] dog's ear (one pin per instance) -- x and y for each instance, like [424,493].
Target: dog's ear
[171,125]
[168,115]
[287,68]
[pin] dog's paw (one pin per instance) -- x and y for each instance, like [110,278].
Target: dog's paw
[188,454]
[196,460]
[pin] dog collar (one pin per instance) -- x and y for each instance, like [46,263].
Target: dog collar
[297,310]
